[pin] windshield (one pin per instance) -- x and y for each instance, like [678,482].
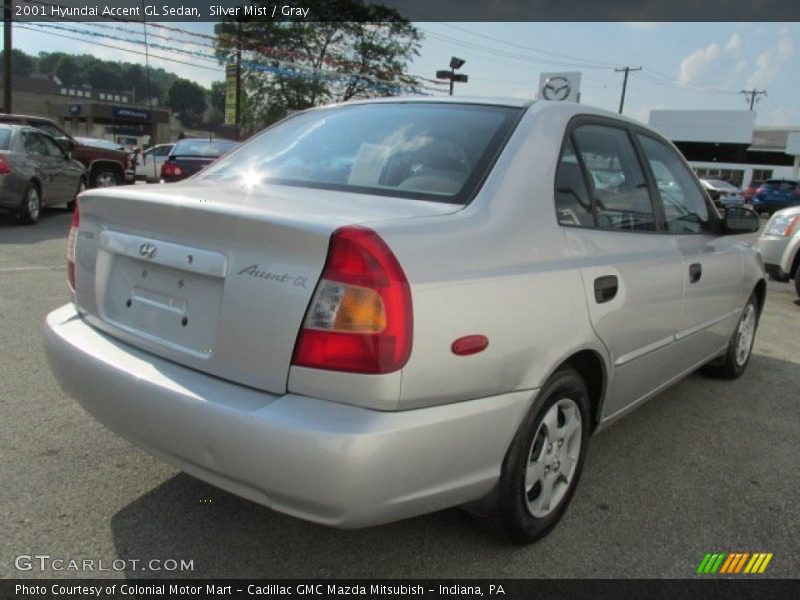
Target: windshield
[414,150]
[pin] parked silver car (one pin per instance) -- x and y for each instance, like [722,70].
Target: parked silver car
[384,308]
[35,172]
[723,193]
[779,244]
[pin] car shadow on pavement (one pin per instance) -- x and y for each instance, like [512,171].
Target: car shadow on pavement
[227,536]
[53,223]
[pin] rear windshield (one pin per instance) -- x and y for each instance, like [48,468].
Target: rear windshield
[414,150]
[5,137]
[721,184]
[202,148]
[780,185]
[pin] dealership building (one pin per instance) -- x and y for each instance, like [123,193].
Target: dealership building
[87,112]
[728,145]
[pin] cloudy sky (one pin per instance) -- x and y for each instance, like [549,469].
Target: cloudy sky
[685,65]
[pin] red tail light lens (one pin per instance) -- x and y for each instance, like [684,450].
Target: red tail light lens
[360,318]
[169,169]
[71,239]
[5,168]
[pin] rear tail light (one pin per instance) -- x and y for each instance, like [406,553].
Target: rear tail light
[5,168]
[169,169]
[360,317]
[71,239]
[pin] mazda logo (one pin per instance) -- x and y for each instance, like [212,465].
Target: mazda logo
[556,88]
[147,250]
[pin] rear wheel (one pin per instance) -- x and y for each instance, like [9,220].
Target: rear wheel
[545,459]
[31,205]
[797,282]
[106,177]
[733,363]
[81,187]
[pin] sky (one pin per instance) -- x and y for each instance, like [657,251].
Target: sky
[684,65]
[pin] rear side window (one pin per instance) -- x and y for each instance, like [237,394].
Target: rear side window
[619,189]
[34,144]
[685,208]
[5,138]
[780,185]
[573,203]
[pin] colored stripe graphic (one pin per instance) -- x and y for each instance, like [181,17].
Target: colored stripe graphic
[734,562]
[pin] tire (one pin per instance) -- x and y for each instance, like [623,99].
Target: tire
[797,282]
[733,363]
[31,206]
[106,177]
[543,464]
[81,187]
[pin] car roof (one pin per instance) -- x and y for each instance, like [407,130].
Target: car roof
[15,116]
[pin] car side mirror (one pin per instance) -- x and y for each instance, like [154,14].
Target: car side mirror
[739,219]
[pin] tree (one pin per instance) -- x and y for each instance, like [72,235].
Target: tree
[67,70]
[22,65]
[350,50]
[188,99]
[104,77]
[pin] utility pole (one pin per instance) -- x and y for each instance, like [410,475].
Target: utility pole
[754,93]
[152,140]
[7,56]
[626,70]
[238,122]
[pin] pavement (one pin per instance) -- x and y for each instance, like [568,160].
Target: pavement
[706,466]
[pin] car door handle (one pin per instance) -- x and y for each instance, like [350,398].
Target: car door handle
[605,288]
[695,272]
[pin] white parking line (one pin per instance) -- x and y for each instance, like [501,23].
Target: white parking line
[23,269]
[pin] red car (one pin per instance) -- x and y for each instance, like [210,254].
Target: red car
[750,190]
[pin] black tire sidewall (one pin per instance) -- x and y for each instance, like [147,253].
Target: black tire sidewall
[103,170]
[512,509]
[23,213]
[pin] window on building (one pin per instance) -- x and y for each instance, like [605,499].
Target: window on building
[64,91]
[124,98]
[762,174]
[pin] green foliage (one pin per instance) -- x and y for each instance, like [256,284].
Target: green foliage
[188,100]
[353,50]
[21,63]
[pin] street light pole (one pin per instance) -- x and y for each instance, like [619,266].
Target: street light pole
[455,63]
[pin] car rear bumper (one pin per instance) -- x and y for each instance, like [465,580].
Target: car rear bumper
[331,463]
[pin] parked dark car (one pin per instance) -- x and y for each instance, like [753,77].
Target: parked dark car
[35,172]
[776,194]
[106,166]
[190,155]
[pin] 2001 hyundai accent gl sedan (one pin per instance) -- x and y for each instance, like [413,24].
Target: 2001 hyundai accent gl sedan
[380,309]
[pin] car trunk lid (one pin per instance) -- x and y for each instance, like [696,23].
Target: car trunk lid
[215,278]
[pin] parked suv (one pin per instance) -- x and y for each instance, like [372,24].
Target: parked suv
[776,194]
[380,309]
[106,166]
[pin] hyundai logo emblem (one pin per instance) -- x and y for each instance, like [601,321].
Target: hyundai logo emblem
[148,250]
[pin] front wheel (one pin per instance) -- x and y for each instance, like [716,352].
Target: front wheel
[733,363]
[544,462]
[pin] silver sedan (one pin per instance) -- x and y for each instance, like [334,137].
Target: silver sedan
[380,309]
[35,172]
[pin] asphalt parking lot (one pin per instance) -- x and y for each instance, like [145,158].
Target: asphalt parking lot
[706,466]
